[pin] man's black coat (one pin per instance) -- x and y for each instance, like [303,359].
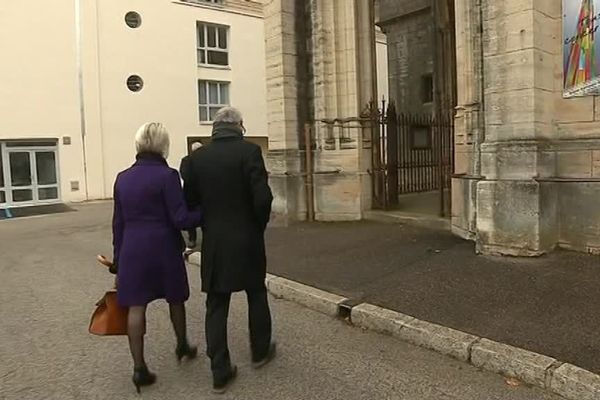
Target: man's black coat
[228,180]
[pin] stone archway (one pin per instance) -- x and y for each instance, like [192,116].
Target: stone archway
[423,87]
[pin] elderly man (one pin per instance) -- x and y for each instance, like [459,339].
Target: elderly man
[184,172]
[228,180]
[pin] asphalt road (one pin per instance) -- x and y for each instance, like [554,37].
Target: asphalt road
[547,304]
[49,283]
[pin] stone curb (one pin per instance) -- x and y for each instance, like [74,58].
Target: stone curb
[566,380]
[378,319]
[308,296]
[409,329]
[444,340]
[511,361]
[575,383]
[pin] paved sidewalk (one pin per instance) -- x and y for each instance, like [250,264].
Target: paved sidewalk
[50,282]
[548,305]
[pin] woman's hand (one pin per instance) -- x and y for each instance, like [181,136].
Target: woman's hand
[112,268]
[104,261]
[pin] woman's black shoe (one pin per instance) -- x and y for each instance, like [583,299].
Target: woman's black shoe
[142,377]
[186,350]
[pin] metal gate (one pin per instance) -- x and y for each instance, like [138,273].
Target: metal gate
[411,154]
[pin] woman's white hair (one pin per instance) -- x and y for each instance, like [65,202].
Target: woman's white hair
[229,115]
[152,137]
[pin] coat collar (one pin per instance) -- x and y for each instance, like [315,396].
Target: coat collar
[226,131]
[149,159]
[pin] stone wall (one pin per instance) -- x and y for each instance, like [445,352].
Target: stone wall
[576,149]
[530,163]
[409,30]
[284,160]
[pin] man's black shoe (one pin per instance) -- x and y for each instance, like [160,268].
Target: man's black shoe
[268,358]
[221,386]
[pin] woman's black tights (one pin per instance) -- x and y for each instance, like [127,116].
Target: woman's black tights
[136,329]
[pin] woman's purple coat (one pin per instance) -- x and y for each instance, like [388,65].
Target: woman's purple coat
[149,215]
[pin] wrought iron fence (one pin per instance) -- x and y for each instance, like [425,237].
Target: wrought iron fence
[411,154]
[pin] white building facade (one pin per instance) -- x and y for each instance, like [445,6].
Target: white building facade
[79,77]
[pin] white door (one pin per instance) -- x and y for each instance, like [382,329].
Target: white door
[30,176]
[20,177]
[45,176]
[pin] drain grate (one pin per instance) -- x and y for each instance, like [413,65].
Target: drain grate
[345,308]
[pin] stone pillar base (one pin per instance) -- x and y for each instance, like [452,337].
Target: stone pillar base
[340,196]
[464,200]
[287,184]
[515,218]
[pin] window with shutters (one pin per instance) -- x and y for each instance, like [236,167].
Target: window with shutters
[212,96]
[212,45]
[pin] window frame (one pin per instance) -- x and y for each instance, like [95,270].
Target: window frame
[206,49]
[208,105]
[419,129]
[427,88]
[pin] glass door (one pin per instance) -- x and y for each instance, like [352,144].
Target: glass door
[21,176]
[28,175]
[46,175]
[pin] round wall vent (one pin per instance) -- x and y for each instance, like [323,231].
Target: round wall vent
[133,19]
[135,83]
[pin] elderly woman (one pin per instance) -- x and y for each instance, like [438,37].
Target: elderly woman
[149,215]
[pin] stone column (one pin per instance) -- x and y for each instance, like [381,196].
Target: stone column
[284,160]
[516,214]
[469,123]
[343,58]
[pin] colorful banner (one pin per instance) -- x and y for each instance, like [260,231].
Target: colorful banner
[581,51]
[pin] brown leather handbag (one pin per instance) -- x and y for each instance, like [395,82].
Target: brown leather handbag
[109,318]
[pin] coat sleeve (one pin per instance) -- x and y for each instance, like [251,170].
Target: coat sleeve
[118,225]
[178,212]
[184,168]
[256,173]
[185,171]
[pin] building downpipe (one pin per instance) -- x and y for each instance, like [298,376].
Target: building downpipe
[79,61]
